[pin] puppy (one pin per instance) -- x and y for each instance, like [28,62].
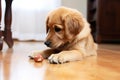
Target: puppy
[68,36]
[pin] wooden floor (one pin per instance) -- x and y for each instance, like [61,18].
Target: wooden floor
[15,65]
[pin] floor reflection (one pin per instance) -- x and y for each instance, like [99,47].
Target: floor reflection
[6,64]
[78,70]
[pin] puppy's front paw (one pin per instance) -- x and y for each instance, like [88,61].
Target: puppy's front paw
[57,59]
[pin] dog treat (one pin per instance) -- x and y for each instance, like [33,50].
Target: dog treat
[37,58]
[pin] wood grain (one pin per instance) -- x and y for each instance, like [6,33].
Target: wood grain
[15,65]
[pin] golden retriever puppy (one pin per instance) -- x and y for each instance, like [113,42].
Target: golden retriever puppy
[68,36]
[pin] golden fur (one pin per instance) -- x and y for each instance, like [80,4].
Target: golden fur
[69,36]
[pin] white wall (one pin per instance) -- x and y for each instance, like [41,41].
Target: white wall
[80,5]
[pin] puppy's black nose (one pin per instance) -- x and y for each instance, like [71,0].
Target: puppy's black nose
[47,43]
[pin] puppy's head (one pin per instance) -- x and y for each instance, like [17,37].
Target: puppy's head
[62,26]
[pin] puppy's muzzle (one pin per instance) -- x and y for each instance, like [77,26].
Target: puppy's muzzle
[47,43]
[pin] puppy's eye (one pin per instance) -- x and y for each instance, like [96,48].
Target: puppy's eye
[57,29]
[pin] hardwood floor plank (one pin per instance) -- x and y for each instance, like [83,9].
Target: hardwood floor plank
[15,65]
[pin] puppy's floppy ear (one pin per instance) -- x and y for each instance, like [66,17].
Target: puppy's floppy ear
[73,24]
[85,31]
[47,28]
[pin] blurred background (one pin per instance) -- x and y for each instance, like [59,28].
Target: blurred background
[28,16]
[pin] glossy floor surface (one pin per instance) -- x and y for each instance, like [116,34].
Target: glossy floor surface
[15,65]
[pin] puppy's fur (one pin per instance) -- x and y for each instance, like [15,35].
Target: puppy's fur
[69,36]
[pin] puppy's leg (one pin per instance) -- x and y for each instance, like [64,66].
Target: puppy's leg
[45,53]
[66,56]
